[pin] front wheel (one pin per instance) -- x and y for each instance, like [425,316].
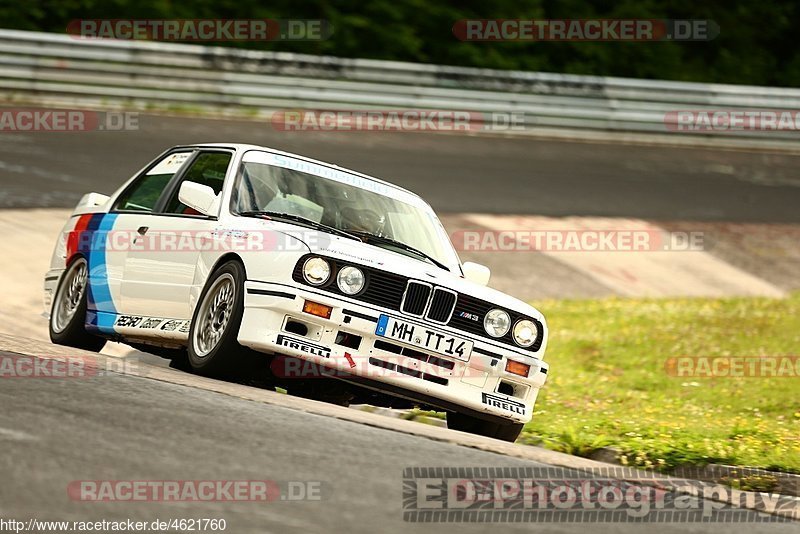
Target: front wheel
[213,347]
[502,431]
[68,314]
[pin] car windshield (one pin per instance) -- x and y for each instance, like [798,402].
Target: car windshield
[280,184]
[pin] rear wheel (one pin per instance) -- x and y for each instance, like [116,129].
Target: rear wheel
[502,431]
[68,314]
[213,347]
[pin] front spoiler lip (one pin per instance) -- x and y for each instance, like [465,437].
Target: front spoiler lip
[447,406]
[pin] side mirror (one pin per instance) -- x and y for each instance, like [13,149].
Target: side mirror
[477,273]
[199,197]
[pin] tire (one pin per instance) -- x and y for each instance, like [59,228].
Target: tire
[213,348]
[502,431]
[68,314]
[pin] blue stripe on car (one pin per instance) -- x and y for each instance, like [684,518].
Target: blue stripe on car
[101,312]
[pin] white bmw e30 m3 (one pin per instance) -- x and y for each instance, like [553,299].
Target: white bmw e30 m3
[240,256]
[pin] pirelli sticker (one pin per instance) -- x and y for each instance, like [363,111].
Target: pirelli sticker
[304,346]
[495,401]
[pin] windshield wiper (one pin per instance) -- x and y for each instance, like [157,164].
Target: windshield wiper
[299,219]
[358,235]
[399,244]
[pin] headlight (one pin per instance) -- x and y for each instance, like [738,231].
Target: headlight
[497,322]
[350,280]
[316,271]
[525,333]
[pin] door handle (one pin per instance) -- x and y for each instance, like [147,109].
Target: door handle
[143,230]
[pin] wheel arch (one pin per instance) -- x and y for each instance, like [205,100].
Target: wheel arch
[69,263]
[72,259]
[205,268]
[225,258]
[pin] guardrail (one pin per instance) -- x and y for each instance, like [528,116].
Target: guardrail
[43,67]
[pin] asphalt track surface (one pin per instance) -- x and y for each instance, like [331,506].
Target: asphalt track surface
[121,427]
[456,174]
[125,428]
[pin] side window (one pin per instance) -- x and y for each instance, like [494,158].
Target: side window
[209,169]
[145,191]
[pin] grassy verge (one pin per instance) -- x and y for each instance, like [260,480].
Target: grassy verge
[609,384]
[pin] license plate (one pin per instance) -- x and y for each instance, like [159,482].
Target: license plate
[424,338]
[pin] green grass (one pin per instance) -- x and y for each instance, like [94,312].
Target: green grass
[608,384]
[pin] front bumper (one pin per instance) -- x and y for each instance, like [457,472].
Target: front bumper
[479,386]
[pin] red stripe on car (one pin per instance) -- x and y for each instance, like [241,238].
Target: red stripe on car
[74,237]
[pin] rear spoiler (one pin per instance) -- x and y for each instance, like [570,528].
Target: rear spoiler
[90,203]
